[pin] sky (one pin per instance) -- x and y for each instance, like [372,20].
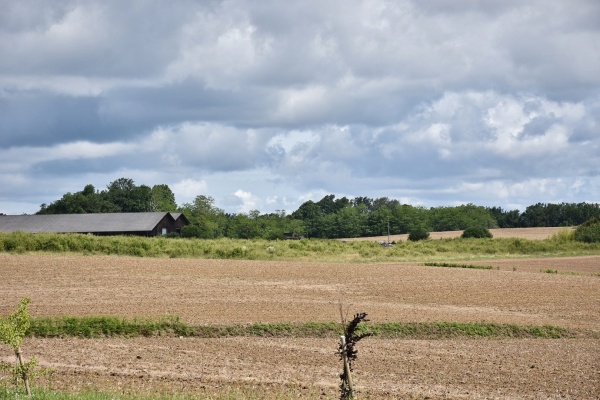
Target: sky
[266,104]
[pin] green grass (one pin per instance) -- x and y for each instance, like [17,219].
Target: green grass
[44,394]
[231,392]
[555,271]
[298,250]
[451,265]
[223,394]
[96,327]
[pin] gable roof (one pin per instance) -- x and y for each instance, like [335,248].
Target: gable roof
[180,216]
[83,223]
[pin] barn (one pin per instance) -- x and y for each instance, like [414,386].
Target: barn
[138,223]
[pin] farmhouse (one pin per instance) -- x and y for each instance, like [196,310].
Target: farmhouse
[140,223]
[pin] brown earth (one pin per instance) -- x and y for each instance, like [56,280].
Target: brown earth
[225,292]
[309,368]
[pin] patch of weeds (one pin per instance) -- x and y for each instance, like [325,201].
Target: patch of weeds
[452,265]
[549,271]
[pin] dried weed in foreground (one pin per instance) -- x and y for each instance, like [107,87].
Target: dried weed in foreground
[348,353]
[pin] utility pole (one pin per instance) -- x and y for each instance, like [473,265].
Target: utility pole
[388,230]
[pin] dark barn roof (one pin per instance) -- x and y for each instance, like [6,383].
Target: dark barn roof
[179,216]
[141,222]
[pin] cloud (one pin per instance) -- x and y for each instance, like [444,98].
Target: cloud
[431,101]
[248,200]
[188,189]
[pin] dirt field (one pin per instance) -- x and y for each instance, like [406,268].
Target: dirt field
[221,292]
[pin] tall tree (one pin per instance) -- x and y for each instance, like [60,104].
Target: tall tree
[86,201]
[163,198]
[211,221]
[310,213]
[128,197]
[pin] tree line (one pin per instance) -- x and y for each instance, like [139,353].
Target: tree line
[329,217]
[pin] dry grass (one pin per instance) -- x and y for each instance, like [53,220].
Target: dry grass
[522,233]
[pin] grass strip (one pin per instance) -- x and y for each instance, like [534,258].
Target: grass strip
[97,327]
[448,330]
[309,250]
[222,393]
[452,265]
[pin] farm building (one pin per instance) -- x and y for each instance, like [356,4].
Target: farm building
[140,223]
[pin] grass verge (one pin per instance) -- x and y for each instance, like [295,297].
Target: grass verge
[96,327]
[255,392]
[297,250]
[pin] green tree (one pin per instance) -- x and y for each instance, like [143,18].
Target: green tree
[296,227]
[244,226]
[377,222]
[385,202]
[310,214]
[274,225]
[86,201]
[328,227]
[127,197]
[349,222]
[563,214]
[407,218]
[163,198]
[589,231]
[366,201]
[459,218]
[12,333]
[417,234]
[330,205]
[202,213]
[477,232]
[505,219]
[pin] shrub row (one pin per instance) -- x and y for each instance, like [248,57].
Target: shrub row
[588,232]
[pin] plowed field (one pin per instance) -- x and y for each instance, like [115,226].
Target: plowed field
[226,292]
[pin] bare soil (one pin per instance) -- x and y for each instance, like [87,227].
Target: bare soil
[309,368]
[226,292]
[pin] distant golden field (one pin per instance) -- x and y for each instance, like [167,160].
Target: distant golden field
[522,233]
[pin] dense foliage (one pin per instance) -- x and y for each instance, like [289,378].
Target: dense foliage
[329,217]
[589,231]
[122,195]
[418,234]
[478,232]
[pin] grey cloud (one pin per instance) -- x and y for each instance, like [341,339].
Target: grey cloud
[451,145]
[57,168]
[95,39]
[119,114]
[44,119]
[23,16]
[538,126]
[427,98]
